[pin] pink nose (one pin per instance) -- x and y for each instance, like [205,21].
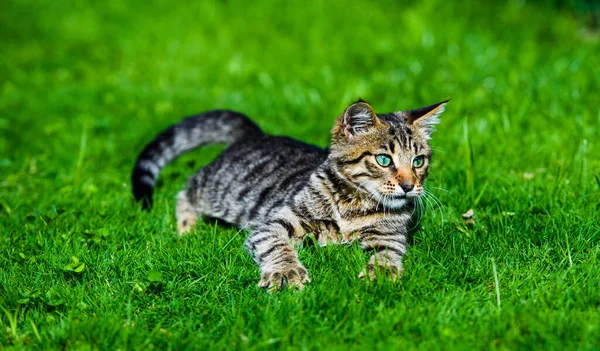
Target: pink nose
[407,186]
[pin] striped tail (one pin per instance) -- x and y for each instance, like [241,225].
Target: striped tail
[214,127]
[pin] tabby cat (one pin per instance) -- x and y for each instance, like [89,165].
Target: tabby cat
[364,187]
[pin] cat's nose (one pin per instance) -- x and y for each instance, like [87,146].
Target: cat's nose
[407,187]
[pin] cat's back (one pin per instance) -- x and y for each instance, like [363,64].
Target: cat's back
[253,178]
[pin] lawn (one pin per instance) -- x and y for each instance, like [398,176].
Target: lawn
[85,85]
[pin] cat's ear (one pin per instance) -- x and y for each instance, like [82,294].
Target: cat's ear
[425,118]
[358,118]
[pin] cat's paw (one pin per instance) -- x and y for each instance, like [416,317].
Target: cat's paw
[292,276]
[372,271]
[185,223]
[187,217]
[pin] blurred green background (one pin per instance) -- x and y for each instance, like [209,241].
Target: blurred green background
[522,76]
[85,85]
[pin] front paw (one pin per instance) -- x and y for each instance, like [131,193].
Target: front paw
[290,276]
[372,271]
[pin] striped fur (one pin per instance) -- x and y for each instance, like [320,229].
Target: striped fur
[282,189]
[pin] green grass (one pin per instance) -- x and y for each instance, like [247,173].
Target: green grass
[84,85]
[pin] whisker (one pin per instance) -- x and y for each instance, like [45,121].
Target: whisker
[438,188]
[377,206]
[368,195]
[358,186]
[429,196]
[437,149]
[419,213]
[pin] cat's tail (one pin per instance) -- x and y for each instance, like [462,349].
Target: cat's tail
[214,127]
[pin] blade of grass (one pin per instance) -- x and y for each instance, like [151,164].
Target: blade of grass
[496,284]
[81,154]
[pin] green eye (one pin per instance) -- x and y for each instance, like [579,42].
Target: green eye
[383,160]
[418,161]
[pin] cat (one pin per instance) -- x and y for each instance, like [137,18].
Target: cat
[364,187]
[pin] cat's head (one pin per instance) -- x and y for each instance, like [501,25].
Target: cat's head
[385,155]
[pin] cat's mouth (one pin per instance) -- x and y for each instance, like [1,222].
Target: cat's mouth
[405,195]
[394,201]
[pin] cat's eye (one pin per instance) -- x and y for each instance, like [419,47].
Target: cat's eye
[383,160]
[418,161]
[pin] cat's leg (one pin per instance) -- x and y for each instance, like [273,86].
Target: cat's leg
[187,217]
[191,203]
[271,247]
[388,249]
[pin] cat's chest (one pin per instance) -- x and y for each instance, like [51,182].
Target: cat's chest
[344,230]
[358,223]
